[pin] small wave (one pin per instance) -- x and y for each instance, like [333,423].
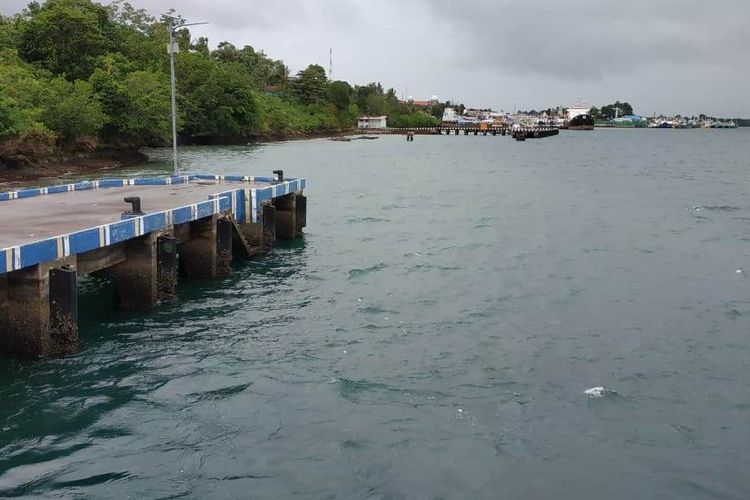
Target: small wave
[221,393]
[357,220]
[733,313]
[375,309]
[715,208]
[422,267]
[595,392]
[367,392]
[357,272]
[94,480]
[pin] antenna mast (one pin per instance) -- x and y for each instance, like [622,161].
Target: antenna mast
[330,63]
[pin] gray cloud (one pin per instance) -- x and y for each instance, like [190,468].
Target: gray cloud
[668,56]
[594,38]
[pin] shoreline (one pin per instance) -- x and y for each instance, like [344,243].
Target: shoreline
[110,158]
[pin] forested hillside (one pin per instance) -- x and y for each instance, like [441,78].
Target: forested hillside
[79,76]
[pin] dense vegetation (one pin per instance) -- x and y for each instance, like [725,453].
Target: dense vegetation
[611,111]
[75,74]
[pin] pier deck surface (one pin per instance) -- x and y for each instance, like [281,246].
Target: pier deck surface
[25,220]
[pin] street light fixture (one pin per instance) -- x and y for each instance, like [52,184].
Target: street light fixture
[172,49]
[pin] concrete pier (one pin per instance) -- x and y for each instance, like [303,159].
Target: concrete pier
[525,131]
[286,217]
[198,248]
[136,278]
[49,237]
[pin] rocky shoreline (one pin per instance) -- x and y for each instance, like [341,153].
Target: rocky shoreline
[100,159]
[35,165]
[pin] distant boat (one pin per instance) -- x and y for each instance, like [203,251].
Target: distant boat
[581,122]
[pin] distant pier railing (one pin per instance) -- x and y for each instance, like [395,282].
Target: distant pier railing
[520,133]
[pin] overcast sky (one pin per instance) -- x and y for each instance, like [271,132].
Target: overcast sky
[668,56]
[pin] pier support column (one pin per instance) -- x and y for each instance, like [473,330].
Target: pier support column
[198,255]
[39,311]
[261,235]
[224,230]
[269,227]
[63,310]
[166,262]
[253,233]
[136,280]
[457,131]
[286,216]
[301,205]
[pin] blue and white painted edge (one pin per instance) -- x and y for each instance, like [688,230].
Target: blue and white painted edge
[243,203]
[145,181]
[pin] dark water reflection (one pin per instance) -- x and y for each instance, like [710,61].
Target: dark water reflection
[431,336]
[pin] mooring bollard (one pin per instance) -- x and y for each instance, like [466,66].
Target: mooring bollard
[135,206]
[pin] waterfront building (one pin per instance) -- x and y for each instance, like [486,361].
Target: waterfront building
[365,122]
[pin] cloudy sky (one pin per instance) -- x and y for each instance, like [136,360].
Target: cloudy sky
[668,56]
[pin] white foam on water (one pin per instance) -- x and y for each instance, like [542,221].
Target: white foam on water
[594,392]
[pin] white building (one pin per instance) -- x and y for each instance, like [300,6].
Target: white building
[449,115]
[372,122]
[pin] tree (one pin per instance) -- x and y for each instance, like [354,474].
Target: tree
[310,86]
[226,52]
[71,109]
[375,104]
[201,46]
[137,104]
[340,94]
[148,107]
[617,109]
[66,36]
[216,100]
[8,32]
[364,91]
[20,91]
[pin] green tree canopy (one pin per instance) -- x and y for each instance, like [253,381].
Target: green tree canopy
[66,36]
[71,109]
[340,94]
[617,109]
[310,85]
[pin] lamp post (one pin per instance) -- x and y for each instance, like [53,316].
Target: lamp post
[172,49]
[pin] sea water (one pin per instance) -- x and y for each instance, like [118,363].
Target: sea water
[465,317]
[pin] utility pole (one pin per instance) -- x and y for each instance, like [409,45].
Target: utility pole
[172,49]
[174,97]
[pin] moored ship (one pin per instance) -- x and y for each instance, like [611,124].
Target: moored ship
[579,117]
[581,122]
